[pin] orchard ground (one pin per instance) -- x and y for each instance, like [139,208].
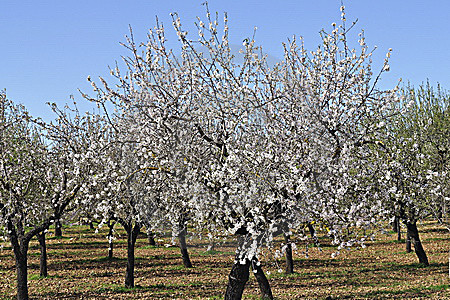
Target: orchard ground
[79,269]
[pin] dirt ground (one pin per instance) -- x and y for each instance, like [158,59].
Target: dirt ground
[79,269]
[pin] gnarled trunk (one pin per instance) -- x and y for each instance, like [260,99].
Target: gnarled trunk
[237,279]
[413,233]
[289,260]
[239,273]
[264,285]
[43,259]
[183,247]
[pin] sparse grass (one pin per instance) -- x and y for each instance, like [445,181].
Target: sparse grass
[38,277]
[33,277]
[149,247]
[79,268]
[214,252]
[416,292]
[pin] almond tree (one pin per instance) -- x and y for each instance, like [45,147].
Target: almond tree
[43,167]
[315,144]
[251,151]
[124,194]
[23,207]
[186,111]
[431,113]
[69,160]
[124,187]
[334,112]
[415,161]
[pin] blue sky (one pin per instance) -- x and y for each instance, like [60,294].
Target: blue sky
[49,47]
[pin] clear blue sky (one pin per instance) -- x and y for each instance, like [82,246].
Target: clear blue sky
[49,47]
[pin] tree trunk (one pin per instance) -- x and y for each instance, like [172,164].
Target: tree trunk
[414,236]
[132,233]
[440,212]
[183,247]
[43,261]
[289,260]
[239,274]
[395,224]
[20,242]
[396,228]
[58,228]
[22,275]
[311,230]
[110,238]
[399,233]
[20,249]
[408,242]
[264,285]
[237,279]
[151,238]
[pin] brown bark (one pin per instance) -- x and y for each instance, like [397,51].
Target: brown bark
[20,249]
[22,274]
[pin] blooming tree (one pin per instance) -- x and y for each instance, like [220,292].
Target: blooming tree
[334,113]
[253,151]
[414,161]
[38,182]
[43,167]
[24,211]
